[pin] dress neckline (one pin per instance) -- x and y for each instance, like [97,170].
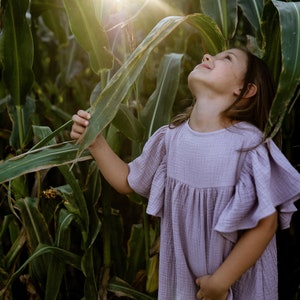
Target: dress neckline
[207,133]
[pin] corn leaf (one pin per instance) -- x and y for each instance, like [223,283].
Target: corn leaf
[17,47]
[90,285]
[158,109]
[55,18]
[224,13]
[67,257]
[136,244]
[15,250]
[37,233]
[56,268]
[89,33]
[128,124]
[252,10]
[40,159]
[288,29]
[121,288]
[21,119]
[93,189]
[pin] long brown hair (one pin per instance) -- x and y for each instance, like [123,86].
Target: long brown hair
[256,109]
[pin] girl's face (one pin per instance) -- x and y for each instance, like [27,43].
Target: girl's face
[223,73]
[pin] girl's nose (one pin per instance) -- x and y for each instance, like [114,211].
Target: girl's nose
[206,57]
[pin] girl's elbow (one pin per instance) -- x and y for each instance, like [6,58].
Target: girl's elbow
[271,223]
[124,190]
[274,223]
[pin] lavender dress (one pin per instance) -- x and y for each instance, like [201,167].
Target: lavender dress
[206,192]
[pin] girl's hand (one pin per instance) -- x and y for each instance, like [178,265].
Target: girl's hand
[210,290]
[80,123]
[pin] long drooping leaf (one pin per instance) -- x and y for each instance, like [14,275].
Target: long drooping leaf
[75,201]
[128,124]
[66,256]
[55,19]
[289,80]
[15,250]
[136,244]
[56,268]
[224,12]
[105,107]
[252,10]
[93,190]
[37,232]
[157,111]
[121,288]
[272,40]
[17,47]
[90,285]
[40,159]
[17,60]
[37,229]
[21,120]
[89,33]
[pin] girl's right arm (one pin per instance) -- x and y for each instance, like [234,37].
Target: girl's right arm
[114,170]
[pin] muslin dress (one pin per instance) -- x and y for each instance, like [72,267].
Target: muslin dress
[207,188]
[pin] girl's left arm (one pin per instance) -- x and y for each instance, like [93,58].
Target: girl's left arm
[246,252]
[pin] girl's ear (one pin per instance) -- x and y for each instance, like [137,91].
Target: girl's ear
[250,92]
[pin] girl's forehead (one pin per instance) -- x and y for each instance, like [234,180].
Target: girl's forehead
[234,51]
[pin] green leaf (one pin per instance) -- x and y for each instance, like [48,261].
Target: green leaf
[21,119]
[158,109]
[252,10]
[272,40]
[105,107]
[136,246]
[121,288]
[62,237]
[42,249]
[55,19]
[288,89]
[90,285]
[37,232]
[76,201]
[128,124]
[152,276]
[45,134]
[224,12]
[15,250]
[17,50]
[36,227]
[56,268]
[37,7]
[93,189]
[89,33]
[40,159]
[48,138]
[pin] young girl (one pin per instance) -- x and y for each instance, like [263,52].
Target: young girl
[217,186]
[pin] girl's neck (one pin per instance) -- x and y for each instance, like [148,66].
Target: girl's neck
[206,117]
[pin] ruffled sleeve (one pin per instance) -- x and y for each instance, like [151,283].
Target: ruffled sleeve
[148,165]
[267,182]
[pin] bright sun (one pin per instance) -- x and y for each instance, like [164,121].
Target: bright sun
[119,12]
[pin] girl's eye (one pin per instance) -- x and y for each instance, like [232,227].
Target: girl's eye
[227,57]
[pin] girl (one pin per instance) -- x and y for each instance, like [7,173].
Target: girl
[217,186]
